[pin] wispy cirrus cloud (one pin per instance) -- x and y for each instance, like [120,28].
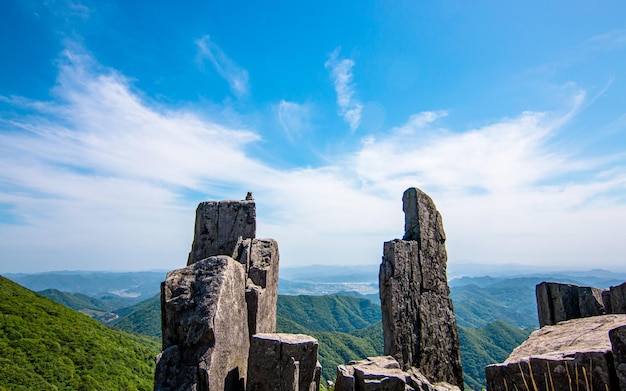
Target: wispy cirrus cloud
[612,40]
[341,74]
[236,76]
[98,173]
[294,118]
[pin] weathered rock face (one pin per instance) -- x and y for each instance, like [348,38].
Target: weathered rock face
[419,324]
[383,374]
[219,224]
[557,302]
[283,362]
[205,332]
[211,309]
[616,299]
[260,258]
[618,346]
[576,352]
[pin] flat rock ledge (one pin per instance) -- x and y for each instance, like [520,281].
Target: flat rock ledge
[574,354]
[383,373]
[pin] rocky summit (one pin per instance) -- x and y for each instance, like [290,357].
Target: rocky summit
[219,312]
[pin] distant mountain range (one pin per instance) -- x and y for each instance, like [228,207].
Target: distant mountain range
[119,288]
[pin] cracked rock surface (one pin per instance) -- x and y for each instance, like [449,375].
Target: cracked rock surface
[419,325]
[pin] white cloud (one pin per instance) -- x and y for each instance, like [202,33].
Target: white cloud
[341,74]
[612,40]
[99,179]
[236,76]
[293,118]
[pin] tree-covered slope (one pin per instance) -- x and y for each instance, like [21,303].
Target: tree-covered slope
[487,345]
[514,303]
[143,318]
[75,301]
[480,347]
[329,313]
[46,346]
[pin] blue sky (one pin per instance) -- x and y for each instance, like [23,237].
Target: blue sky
[118,117]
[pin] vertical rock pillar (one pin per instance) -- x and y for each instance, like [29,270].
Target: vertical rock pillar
[419,325]
[219,225]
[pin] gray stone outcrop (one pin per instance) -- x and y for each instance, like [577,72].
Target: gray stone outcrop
[618,347]
[205,332]
[574,354]
[260,258]
[383,374]
[283,362]
[219,225]
[419,325]
[615,299]
[211,309]
[557,302]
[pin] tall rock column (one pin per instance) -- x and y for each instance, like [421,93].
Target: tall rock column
[419,325]
[219,225]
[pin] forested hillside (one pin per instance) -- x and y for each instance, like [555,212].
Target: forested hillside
[46,346]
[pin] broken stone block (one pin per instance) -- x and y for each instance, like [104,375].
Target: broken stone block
[219,224]
[205,328]
[283,362]
[617,295]
[557,302]
[260,257]
[383,374]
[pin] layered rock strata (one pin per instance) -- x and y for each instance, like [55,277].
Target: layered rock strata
[205,332]
[557,302]
[383,373]
[219,225]
[574,354]
[283,362]
[419,325]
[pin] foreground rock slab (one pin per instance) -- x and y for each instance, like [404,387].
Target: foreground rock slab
[283,362]
[205,328]
[576,352]
[419,325]
[383,374]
